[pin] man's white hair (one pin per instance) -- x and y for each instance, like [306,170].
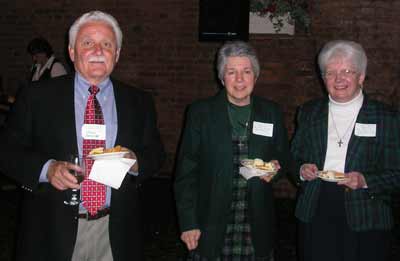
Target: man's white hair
[97,16]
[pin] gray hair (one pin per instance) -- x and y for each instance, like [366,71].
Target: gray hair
[97,16]
[234,49]
[350,50]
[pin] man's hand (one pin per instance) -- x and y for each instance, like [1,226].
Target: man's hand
[309,171]
[60,177]
[191,238]
[132,155]
[354,180]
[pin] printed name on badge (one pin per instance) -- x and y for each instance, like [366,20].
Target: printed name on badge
[94,131]
[263,129]
[365,130]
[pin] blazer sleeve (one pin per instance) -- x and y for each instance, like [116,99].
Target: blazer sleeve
[152,154]
[18,157]
[298,147]
[186,187]
[282,146]
[385,178]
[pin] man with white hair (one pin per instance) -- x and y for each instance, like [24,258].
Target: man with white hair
[86,110]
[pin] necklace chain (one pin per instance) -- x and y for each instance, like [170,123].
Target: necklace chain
[245,125]
[340,141]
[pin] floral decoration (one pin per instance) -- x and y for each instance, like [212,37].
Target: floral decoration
[298,11]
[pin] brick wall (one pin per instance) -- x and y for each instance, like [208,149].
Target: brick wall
[161,53]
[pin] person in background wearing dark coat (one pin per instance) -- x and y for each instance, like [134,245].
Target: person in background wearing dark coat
[47,124]
[347,149]
[45,64]
[222,215]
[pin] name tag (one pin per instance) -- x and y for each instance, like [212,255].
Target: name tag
[94,131]
[365,130]
[263,129]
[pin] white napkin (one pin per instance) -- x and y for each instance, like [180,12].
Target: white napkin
[111,172]
[248,173]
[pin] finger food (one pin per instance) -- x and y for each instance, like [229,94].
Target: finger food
[267,166]
[258,162]
[334,175]
[101,150]
[95,151]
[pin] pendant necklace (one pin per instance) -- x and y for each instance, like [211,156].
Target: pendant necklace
[340,138]
[244,137]
[244,125]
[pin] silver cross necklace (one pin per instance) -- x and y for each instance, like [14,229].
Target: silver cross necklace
[244,125]
[341,137]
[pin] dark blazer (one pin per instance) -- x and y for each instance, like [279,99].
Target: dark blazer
[41,126]
[204,175]
[377,158]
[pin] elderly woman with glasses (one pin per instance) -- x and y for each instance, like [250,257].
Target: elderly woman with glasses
[347,149]
[222,215]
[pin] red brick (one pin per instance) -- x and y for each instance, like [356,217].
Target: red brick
[161,52]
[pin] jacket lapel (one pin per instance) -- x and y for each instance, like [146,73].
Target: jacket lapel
[126,106]
[222,131]
[119,102]
[321,135]
[355,143]
[258,114]
[66,108]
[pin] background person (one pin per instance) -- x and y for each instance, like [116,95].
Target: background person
[45,64]
[45,126]
[223,216]
[346,132]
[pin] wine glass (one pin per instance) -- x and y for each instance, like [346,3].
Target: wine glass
[78,161]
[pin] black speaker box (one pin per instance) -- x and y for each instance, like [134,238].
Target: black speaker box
[224,20]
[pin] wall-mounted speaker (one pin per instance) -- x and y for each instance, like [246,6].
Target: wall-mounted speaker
[224,20]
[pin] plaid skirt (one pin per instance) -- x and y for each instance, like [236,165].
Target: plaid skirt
[237,242]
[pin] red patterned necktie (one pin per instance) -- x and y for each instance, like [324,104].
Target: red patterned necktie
[93,193]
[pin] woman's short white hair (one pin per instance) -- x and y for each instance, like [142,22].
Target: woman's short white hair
[97,16]
[349,50]
[234,49]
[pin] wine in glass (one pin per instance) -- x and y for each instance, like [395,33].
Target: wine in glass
[78,161]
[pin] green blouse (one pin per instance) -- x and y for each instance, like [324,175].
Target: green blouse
[239,117]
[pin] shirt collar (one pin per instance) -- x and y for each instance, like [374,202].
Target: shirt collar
[49,62]
[355,101]
[82,86]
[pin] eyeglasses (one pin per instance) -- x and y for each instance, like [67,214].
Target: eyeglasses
[345,73]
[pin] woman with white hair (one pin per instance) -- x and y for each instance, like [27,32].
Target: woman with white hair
[347,149]
[222,215]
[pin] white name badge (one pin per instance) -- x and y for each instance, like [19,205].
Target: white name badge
[94,131]
[263,129]
[365,130]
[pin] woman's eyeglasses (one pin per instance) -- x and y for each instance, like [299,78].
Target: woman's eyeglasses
[345,73]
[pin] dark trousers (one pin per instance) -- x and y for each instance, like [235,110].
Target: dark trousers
[329,238]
